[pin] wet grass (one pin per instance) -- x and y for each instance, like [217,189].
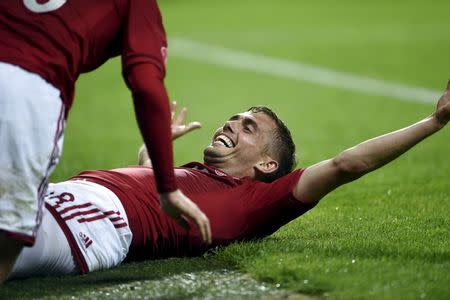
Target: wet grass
[193,278]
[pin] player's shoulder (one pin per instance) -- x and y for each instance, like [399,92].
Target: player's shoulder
[293,176]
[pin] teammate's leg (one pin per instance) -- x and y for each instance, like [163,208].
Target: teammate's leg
[50,255]
[9,251]
[31,134]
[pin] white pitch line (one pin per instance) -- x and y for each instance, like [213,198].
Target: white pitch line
[284,68]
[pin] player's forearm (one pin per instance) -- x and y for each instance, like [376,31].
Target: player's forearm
[376,152]
[320,179]
[143,158]
[153,115]
[154,123]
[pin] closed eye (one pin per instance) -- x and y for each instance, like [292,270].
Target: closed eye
[250,125]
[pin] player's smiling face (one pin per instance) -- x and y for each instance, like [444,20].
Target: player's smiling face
[241,144]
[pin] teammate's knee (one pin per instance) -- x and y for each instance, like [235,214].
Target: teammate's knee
[9,251]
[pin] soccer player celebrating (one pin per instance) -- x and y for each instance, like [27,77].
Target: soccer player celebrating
[99,218]
[44,47]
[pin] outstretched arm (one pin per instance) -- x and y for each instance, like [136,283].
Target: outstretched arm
[320,179]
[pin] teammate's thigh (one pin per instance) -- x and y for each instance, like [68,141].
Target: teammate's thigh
[50,255]
[31,135]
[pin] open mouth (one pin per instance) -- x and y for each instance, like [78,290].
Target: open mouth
[224,140]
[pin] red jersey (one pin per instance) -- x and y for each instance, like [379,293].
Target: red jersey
[238,209]
[61,39]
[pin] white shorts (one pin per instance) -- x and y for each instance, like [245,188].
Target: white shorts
[50,254]
[94,222]
[84,228]
[31,135]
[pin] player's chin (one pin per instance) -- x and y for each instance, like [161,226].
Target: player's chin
[216,154]
[211,153]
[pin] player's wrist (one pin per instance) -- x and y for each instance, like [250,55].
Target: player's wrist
[440,118]
[171,194]
[169,185]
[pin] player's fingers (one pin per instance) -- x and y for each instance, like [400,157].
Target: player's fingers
[191,126]
[173,109]
[178,131]
[181,116]
[448,85]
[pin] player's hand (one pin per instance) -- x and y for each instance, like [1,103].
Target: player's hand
[178,206]
[178,129]
[178,126]
[442,113]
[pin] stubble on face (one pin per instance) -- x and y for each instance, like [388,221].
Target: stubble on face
[240,143]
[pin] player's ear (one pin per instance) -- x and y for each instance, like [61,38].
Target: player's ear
[267,165]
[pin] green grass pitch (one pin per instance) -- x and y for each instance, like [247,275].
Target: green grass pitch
[386,236]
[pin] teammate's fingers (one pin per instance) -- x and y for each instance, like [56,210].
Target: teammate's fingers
[203,225]
[191,210]
[205,229]
[202,222]
[208,231]
[184,206]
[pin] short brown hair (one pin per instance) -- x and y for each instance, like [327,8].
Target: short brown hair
[282,145]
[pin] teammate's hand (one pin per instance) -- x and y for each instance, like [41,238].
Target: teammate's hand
[178,126]
[178,206]
[442,113]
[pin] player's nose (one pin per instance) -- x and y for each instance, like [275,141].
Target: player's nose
[229,126]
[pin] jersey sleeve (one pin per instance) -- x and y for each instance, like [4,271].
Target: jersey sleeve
[143,54]
[272,205]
